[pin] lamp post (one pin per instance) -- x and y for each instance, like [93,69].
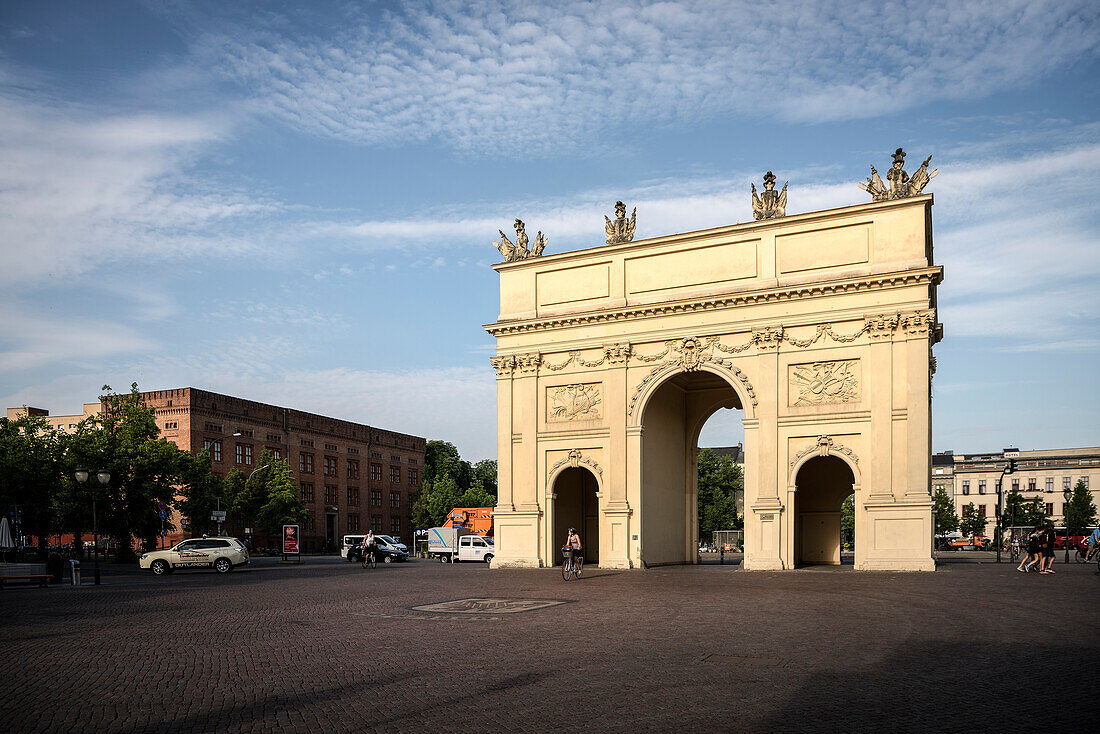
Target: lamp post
[1068,494]
[104,478]
[219,499]
[1010,468]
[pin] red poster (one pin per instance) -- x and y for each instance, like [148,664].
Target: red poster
[290,539]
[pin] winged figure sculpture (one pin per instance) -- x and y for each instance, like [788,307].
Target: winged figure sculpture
[621,229]
[769,205]
[519,250]
[901,184]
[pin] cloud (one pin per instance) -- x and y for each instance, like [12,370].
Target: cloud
[31,341]
[81,189]
[509,77]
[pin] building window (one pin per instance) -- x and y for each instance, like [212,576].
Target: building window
[353,496]
[376,498]
[1050,508]
[329,468]
[309,523]
[353,469]
[1067,482]
[305,463]
[412,477]
[1050,484]
[981,510]
[307,492]
[244,454]
[214,448]
[981,486]
[395,475]
[353,523]
[330,447]
[276,454]
[395,500]
[1015,485]
[1085,481]
[1031,485]
[331,495]
[376,523]
[395,526]
[966,486]
[376,472]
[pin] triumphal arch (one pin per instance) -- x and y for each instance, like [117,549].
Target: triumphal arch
[818,327]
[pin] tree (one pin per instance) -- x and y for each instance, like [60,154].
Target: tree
[31,474]
[972,524]
[200,493]
[943,512]
[719,482]
[1021,512]
[448,482]
[485,471]
[282,501]
[848,520]
[1080,511]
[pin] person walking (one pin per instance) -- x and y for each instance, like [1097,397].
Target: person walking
[1032,556]
[1047,544]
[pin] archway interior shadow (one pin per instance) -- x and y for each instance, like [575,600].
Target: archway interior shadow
[823,483]
[576,506]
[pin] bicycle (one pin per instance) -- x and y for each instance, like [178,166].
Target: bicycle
[1084,555]
[369,560]
[572,565]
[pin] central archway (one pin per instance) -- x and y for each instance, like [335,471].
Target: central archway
[672,417]
[577,505]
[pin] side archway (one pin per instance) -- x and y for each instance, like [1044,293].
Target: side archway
[573,493]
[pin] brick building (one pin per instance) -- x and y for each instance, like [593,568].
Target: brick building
[351,476]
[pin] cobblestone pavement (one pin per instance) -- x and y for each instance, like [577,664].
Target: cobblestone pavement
[327,646]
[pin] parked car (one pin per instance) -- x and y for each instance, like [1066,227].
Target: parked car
[384,550]
[220,554]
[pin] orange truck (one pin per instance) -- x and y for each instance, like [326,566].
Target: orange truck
[476,520]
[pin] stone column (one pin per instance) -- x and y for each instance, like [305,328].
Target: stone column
[878,382]
[767,511]
[918,328]
[505,366]
[615,509]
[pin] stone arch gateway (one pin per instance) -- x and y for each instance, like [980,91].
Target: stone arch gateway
[819,327]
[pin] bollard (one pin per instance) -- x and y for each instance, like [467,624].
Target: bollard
[74,572]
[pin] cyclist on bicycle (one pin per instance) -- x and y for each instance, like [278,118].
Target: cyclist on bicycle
[1093,542]
[574,542]
[368,546]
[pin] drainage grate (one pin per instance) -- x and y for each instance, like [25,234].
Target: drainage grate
[488,605]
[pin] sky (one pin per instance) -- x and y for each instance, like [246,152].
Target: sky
[295,202]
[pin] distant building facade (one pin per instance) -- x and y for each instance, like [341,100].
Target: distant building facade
[352,477]
[1044,474]
[66,423]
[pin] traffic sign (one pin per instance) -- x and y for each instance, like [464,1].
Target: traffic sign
[217,515]
[163,514]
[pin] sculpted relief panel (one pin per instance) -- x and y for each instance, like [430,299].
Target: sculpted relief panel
[823,383]
[566,403]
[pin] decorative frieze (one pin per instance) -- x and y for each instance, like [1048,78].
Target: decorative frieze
[504,366]
[580,402]
[824,383]
[768,339]
[528,363]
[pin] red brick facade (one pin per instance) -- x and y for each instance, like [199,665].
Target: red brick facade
[351,476]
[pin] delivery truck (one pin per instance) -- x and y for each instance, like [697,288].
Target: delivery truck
[459,544]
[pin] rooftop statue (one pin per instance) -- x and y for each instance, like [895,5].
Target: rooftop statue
[901,184]
[769,205]
[519,250]
[620,230]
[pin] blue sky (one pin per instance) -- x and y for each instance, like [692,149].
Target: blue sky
[295,202]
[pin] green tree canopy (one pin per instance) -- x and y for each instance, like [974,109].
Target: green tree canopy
[719,481]
[943,512]
[1020,512]
[1080,511]
[200,493]
[448,481]
[972,523]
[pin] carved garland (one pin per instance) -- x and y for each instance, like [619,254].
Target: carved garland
[824,446]
[575,459]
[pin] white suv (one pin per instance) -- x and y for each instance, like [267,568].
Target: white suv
[221,554]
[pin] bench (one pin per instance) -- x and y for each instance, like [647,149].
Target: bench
[24,572]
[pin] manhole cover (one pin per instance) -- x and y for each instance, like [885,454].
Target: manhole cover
[488,605]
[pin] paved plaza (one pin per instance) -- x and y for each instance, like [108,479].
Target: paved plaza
[423,646]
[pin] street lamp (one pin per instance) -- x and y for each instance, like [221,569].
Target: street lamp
[1068,494]
[104,477]
[219,499]
[1010,468]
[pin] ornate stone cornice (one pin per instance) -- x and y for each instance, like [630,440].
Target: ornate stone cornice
[881,326]
[918,323]
[923,276]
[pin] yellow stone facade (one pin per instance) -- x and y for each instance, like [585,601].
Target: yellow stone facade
[818,326]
